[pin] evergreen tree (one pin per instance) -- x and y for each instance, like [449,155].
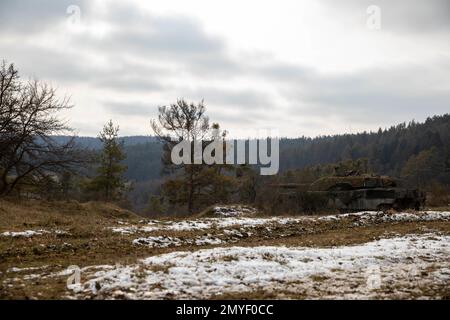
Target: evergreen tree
[191,185]
[109,181]
[155,206]
[420,170]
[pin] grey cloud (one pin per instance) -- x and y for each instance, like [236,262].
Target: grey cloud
[162,36]
[231,104]
[174,39]
[41,62]
[72,66]
[373,95]
[26,17]
[238,106]
[284,72]
[404,16]
[130,108]
[246,120]
[234,98]
[129,83]
[174,42]
[145,53]
[90,129]
[231,113]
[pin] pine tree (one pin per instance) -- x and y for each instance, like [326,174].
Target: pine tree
[191,185]
[109,181]
[155,205]
[421,170]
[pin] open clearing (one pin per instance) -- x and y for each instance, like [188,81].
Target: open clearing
[235,254]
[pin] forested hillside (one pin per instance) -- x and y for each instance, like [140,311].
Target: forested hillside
[418,153]
[95,143]
[389,151]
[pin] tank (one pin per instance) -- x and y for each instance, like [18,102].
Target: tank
[352,192]
[352,182]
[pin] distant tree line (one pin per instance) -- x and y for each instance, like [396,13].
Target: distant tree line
[417,153]
[394,151]
[388,151]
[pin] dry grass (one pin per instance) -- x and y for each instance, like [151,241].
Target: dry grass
[56,214]
[91,242]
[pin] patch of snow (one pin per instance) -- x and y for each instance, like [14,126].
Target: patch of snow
[186,225]
[159,242]
[124,230]
[361,215]
[233,232]
[164,242]
[16,269]
[203,224]
[31,276]
[30,233]
[233,211]
[245,223]
[25,234]
[368,216]
[60,232]
[209,272]
[419,216]
[207,241]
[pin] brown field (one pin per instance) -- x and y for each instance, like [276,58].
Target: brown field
[82,235]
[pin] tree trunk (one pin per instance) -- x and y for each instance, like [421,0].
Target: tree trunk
[191,191]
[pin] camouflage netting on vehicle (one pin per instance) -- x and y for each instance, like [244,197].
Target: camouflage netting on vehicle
[352,182]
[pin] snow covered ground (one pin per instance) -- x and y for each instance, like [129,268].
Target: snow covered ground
[225,257]
[233,211]
[410,264]
[247,222]
[165,242]
[30,233]
[367,216]
[231,229]
[235,220]
[197,224]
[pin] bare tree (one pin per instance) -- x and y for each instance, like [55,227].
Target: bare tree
[29,152]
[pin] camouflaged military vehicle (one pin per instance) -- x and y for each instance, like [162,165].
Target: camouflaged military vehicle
[353,192]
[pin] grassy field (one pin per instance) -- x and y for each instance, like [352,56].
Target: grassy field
[122,255]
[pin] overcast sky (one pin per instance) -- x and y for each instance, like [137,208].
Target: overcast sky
[301,67]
